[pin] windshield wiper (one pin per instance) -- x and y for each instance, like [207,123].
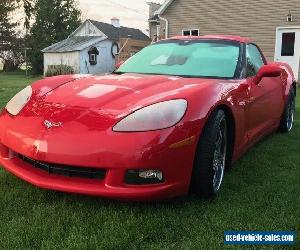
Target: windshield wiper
[185,76]
[118,73]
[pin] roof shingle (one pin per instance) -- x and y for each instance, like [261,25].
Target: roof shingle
[75,43]
[114,33]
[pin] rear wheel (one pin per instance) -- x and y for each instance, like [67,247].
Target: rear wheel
[210,157]
[288,117]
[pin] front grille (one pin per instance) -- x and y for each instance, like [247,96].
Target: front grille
[69,171]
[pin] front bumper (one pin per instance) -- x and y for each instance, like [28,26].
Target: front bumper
[104,188]
[116,153]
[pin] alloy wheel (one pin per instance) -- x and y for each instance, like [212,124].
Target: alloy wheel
[291,113]
[219,160]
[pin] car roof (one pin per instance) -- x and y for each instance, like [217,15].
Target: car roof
[216,37]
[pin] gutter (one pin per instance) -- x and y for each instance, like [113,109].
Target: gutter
[167,25]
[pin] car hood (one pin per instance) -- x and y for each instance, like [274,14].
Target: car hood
[108,98]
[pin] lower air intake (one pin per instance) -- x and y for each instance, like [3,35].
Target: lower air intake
[69,171]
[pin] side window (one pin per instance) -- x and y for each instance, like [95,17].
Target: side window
[254,60]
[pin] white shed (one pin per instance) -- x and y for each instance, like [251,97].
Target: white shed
[91,48]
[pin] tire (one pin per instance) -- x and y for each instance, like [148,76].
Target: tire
[287,119]
[210,158]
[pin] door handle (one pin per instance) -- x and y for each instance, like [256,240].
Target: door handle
[252,99]
[247,102]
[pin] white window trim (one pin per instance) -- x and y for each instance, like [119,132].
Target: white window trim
[190,30]
[158,30]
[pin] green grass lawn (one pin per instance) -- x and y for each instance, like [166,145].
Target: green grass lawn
[11,83]
[261,192]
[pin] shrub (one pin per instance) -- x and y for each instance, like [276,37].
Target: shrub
[55,70]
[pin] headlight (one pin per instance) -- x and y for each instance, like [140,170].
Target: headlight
[156,116]
[18,102]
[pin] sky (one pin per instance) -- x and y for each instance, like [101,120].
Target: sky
[132,13]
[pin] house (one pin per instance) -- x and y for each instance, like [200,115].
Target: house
[93,48]
[273,25]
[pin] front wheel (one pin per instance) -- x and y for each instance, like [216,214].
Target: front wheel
[288,117]
[210,159]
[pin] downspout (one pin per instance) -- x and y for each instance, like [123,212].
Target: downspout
[167,25]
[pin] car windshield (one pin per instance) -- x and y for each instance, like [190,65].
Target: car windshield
[211,59]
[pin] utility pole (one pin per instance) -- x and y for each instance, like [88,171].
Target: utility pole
[26,69]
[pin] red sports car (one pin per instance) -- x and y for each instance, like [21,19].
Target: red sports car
[167,122]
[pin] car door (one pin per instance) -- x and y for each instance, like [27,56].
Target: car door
[266,101]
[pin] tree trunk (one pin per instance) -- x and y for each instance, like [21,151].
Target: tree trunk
[10,66]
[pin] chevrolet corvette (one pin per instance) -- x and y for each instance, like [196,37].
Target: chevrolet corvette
[166,123]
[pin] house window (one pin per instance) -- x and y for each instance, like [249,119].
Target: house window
[93,53]
[192,32]
[288,44]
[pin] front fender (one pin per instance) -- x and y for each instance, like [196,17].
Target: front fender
[287,77]
[45,85]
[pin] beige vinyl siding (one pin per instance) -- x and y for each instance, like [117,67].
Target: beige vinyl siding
[254,19]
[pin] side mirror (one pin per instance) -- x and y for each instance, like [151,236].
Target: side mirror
[119,64]
[267,71]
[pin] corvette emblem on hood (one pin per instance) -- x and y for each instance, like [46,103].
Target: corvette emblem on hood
[49,124]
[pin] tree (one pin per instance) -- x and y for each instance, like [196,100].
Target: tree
[13,57]
[9,43]
[54,21]
[28,9]
[6,24]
